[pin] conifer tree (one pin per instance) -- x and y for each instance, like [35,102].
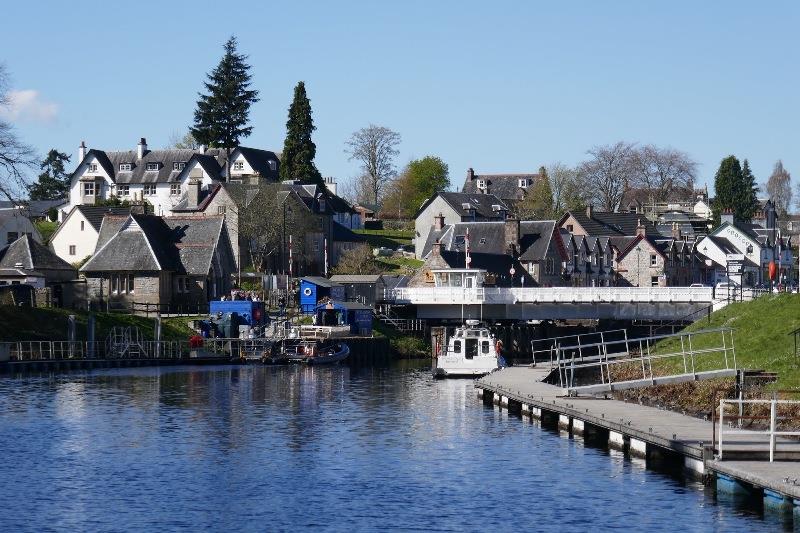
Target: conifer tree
[747,198]
[221,117]
[297,159]
[726,185]
[53,182]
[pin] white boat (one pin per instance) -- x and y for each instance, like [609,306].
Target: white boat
[472,351]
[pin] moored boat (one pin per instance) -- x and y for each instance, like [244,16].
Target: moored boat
[311,352]
[472,351]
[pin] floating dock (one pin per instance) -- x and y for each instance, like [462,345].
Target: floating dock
[648,431]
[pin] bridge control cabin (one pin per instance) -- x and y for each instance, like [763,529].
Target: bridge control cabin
[459,277]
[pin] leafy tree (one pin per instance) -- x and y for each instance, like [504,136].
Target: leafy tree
[779,188]
[221,117]
[15,156]
[375,147]
[538,201]
[735,188]
[420,180]
[53,183]
[297,160]
[358,260]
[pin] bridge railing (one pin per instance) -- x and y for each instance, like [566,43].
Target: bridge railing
[512,295]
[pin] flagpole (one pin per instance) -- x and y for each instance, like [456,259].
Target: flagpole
[326,257]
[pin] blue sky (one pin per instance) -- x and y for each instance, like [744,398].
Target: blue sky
[498,86]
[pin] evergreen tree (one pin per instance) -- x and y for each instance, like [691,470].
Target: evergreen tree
[297,159]
[747,199]
[53,183]
[221,117]
[727,183]
[538,201]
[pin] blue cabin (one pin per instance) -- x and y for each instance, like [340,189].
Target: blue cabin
[314,288]
[250,313]
[358,316]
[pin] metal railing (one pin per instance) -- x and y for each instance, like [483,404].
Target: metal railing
[512,295]
[584,344]
[639,354]
[771,433]
[84,350]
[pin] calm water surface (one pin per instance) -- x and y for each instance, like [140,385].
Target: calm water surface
[260,448]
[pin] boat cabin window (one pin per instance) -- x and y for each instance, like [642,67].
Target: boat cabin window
[456,346]
[485,347]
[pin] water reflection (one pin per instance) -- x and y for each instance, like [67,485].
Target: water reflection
[306,447]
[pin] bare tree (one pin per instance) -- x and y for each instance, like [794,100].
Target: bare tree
[375,148]
[358,190]
[358,260]
[185,141]
[608,173]
[779,188]
[15,156]
[568,189]
[663,171]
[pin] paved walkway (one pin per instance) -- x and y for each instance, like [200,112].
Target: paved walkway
[667,429]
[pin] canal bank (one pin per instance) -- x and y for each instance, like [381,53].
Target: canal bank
[649,432]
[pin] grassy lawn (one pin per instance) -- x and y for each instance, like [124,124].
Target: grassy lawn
[26,323]
[387,238]
[399,265]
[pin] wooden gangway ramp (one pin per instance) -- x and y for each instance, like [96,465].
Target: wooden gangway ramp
[644,430]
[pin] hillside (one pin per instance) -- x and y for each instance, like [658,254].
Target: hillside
[26,323]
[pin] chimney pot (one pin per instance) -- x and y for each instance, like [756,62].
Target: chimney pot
[141,148]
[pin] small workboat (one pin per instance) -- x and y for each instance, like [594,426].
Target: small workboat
[472,351]
[311,352]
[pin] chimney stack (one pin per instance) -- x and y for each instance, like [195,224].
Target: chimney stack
[81,152]
[676,231]
[438,222]
[512,233]
[193,193]
[141,148]
[590,210]
[436,250]
[470,174]
[726,216]
[640,229]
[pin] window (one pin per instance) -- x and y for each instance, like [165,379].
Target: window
[178,165]
[523,182]
[221,210]
[322,205]
[654,281]
[71,249]
[180,282]
[238,165]
[273,165]
[123,190]
[481,184]
[456,346]
[81,225]
[653,260]
[152,166]
[315,246]
[12,236]
[89,189]
[175,189]
[125,167]
[121,283]
[130,283]
[484,347]
[149,189]
[570,227]
[92,167]
[550,266]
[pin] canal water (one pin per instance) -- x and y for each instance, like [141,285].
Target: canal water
[284,448]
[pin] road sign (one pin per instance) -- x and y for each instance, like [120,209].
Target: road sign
[512,271]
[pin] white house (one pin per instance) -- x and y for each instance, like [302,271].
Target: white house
[161,176]
[14,224]
[76,237]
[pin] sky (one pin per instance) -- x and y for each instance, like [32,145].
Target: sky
[496,86]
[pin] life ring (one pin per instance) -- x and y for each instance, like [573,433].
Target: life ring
[307,291]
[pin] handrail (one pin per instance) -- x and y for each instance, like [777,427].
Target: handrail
[771,432]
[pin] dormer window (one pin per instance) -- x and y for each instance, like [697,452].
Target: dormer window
[178,165]
[238,165]
[92,168]
[152,166]
[125,167]
[524,182]
[482,185]
[273,165]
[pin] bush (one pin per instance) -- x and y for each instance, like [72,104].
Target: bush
[410,347]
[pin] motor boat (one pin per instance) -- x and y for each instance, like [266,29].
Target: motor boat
[310,351]
[472,351]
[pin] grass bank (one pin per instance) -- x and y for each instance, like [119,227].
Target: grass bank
[27,323]
[761,339]
[386,237]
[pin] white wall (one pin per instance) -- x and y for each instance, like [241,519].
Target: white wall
[75,192]
[424,222]
[70,233]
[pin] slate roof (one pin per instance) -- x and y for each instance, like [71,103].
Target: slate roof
[535,238]
[31,255]
[94,214]
[34,208]
[357,278]
[607,224]
[206,195]
[504,186]
[182,244]
[319,281]
[481,203]
[259,160]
